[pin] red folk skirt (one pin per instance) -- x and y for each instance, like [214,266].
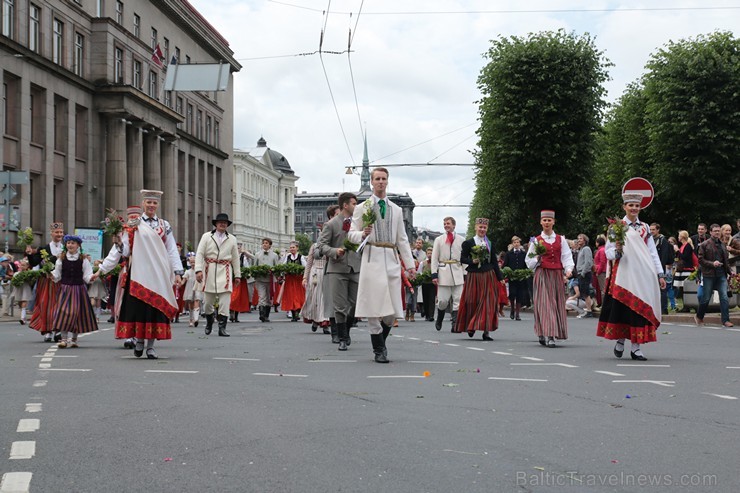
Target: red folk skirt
[294,295]
[240,298]
[479,303]
[47,294]
[618,321]
[550,317]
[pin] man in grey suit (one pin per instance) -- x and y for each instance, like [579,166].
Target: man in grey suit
[343,267]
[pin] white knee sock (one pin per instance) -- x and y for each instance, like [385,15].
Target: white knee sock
[23,313]
[636,348]
[620,345]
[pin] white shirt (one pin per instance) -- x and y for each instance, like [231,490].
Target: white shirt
[611,249]
[566,256]
[56,248]
[86,268]
[219,237]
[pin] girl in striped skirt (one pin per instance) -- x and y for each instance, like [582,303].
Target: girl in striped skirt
[74,312]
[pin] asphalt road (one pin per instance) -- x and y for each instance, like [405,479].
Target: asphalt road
[276,408]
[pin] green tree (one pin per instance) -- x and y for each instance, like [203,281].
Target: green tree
[304,243]
[542,102]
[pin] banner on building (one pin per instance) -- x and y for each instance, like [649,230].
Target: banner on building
[92,242]
[197,77]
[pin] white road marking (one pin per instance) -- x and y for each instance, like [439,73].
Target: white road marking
[564,365]
[53,355]
[721,396]
[734,330]
[33,407]
[667,323]
[16,482]
[44,366]
[432,342]
[53,349]
[279,375]
[238,359]
[644,366]
[22,450]
[475,348]
[501,353]
[530,358]
[413,338]
[28,425]
[46,360]
[436,362]
[518,379]
[332,361]
[171,371]
[67,369]
[733,367]
[396,376]
[662,383]
[393,335]
[686,325]
[610,373]
[40,383]
[452,345]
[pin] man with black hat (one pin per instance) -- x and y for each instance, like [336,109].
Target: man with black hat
[217,266]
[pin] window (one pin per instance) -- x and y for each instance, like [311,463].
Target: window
[119,12]
[166,51]
[153,85]
[298,218]
[118,66]
[79,54]
[189,119]
[216,135]
[137,74]
[177,54]
[34,28]
[61,124]
[57,47]
[208,129]
[81,132]
[11,107]
[187,59]
[178,109]
[8,18]
[154,38]
[137,25]
[309,217]
[168,99]
[199,124]
[38,115]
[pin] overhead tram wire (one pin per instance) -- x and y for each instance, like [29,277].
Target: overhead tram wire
[425,142]
[448,150]
[350,39]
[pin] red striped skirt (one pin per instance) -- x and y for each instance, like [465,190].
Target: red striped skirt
[479,303]
[74,312]
[294,295]
[47,294]
[550,318]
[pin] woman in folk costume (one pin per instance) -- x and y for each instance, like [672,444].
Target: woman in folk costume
[631,305]
[193,293]
[479,303]
[240,302]
[293,294]
[73,312]
[313,311]
[148,301]
[46,291]
[550,318]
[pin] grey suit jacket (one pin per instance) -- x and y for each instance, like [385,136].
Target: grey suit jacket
[330,240]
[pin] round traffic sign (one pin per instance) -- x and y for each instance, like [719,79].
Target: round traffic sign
[641,186]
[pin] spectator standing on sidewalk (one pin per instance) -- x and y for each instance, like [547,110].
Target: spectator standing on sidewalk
[715,267]
[584,267]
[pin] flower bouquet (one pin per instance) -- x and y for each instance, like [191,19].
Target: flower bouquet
[368,213]
[26,276]
[246,272]
[480,252]
[616,232]
[349,246]
[25,237]
[47,265]
[734,283]
[113,223]
[113,272]
[260,270]
[539,248]
[516,274]
[423,278]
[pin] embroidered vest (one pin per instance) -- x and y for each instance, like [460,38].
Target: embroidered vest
[72,272]
[551,258]
[296,261]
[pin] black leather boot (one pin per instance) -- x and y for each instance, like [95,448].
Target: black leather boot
[267,314]
[262,313]
[209,323]
[236,317]
[342,331]
[440,318]
[231,315]
[378,348]
[222,326]
[511,315]
[453,320]
[334,332]
[347,327]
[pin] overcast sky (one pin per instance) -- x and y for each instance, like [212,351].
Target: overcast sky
[415,77]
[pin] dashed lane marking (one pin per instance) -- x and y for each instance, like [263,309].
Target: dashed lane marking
[238,359]
[65,369]
[530,358]
[46,360]
[40,383]
[279,375]
[16,482]
[27,425]
[564,365]
[436,362]
[501,353]
[452,345]
[53,355]
[332,361]
[518,379]
[22,450]
[396,376]
[475,348]
[610,373]
[171,371]
[33,407]
[44,366]
[432,342]
[686,325]
[413,338]
[644,366]
[662,383]
[733,367]
[721,396]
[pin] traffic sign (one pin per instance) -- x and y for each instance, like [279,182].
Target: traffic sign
[10,195]
[14,177]
[641,186]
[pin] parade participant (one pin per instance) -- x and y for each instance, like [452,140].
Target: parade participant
[379,290]
[515,259]
[73,312]
[118,281]
[147,300]
[240,299]
[24,292]
[96,291]
[631,305]
[411,294]
[318,295]
[217,266]
[428,289]
[264,283]
[294,294]
[550,318]
[343,268]
[448,274]
[193,293]
[46,291]
[479,303]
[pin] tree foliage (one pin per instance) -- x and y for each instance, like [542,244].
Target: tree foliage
[304,243]
[541,106]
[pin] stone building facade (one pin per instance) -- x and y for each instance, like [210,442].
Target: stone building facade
[84,111]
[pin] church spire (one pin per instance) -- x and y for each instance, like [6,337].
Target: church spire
[365,175]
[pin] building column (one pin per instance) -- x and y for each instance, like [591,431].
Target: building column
[152,162]
[169,184]
[115,165]
[135,154]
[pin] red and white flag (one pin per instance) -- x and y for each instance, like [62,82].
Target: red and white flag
[158,56]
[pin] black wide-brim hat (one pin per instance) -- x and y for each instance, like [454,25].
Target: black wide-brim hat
[221,217]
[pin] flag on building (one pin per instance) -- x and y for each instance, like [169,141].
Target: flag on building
[158,57]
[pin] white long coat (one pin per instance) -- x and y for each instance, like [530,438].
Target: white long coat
[448,274]
[217,278]
[379,291]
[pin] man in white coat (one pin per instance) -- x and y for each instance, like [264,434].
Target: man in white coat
[379,291]
[448,274]
[217,266]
